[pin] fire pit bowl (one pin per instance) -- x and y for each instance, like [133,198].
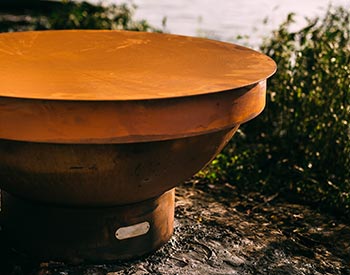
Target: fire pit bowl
[98,127]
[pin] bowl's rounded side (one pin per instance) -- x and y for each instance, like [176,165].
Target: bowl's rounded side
[103,174]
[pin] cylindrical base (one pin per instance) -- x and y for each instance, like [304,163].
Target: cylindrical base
[47,232]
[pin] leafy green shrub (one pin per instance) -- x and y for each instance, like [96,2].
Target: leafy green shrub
[301,143]
[76,15]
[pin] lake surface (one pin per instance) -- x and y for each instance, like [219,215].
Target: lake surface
[225,19]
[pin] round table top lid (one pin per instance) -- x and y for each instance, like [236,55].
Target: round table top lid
[121,65]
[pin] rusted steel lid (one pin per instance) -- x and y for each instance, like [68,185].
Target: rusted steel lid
[125,87]
[120,65]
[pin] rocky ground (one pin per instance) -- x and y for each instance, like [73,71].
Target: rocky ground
[221,231]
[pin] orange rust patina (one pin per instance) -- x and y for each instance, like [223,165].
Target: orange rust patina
[115,86]
[97,126]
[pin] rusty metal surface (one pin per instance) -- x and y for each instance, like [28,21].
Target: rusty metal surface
[75,142]
[127,121]
[44,232]
[125,87]
[103,175]
[95,123]
[120,65]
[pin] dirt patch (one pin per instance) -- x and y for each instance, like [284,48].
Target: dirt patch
[221,231]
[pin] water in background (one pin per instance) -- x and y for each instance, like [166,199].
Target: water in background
[225,19]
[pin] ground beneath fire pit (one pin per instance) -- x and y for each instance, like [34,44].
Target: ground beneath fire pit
[221,231]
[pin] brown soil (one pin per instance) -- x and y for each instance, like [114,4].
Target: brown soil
[221,231]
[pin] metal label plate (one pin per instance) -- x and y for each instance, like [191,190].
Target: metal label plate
[132,231]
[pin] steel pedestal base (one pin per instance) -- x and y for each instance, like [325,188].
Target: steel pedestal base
[46,232]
